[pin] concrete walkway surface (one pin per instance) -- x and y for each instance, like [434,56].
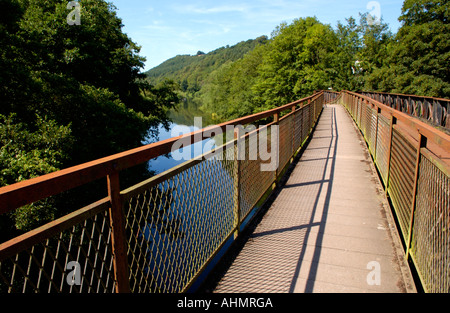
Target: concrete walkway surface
[330,228]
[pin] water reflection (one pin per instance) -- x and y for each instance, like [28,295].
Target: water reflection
[183,123]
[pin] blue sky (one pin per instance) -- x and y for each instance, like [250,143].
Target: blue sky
[165,29]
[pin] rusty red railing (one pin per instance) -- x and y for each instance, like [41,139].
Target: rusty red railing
[434,110]
[159,235]
[413,159]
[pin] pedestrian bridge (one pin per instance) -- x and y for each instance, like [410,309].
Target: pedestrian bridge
[358,202]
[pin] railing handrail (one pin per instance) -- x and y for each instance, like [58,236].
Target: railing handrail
[418,127]
[405,95]
[436,146]
[29,191]
[435,110]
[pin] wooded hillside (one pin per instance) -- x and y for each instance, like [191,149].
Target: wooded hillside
[307,55]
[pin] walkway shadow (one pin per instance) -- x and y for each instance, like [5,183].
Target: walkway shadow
[317,247]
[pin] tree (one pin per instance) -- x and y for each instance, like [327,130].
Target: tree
[418,60]
[25,154]
[376,39]
[346,62]
[298,61]
[70,86]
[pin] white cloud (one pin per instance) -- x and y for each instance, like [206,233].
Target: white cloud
[167,28]
[195,9]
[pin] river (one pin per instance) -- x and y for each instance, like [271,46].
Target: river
[180,212]
[219,186]
[182,123]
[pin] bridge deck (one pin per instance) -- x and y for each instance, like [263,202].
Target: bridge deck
[327,225]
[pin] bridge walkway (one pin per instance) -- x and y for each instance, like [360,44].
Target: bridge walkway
[330,228]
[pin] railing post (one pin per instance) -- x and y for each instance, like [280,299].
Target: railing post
[237,183]
[276,119]
[360,107]
[293,133]
[119,245]
[301,126]
[422,144]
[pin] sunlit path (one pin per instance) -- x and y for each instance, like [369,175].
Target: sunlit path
[330,228]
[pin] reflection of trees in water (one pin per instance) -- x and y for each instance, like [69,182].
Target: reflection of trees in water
[185,112]
[173,225]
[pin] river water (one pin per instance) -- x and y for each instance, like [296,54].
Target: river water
[182,123]
[178,212]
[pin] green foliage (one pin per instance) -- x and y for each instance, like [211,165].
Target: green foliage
[298,62]
[25,154]
[69,94]
[192,72]
[417,61]
[228,91]
[299,59]
[307,55]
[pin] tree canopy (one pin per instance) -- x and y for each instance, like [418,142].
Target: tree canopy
[418,59]
[300,58]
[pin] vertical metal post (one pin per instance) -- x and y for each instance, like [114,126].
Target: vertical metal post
[276,119]
[314,112]
[422,144]
[119,245]
[237,183]
[293,133]
[360,106]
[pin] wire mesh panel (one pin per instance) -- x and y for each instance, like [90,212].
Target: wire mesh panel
[254,181]
[401,181]
[364,119]
[383,140]
[298,128]
[285,137]
[358,112]
[312,109]
[177,224]
[371,129]
[431,232]
[78,259]
[306,122]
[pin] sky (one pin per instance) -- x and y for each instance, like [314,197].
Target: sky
[165,29]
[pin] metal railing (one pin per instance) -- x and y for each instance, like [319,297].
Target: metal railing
[413,159]
[434,110]
[161,234]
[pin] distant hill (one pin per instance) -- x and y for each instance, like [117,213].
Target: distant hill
[192,71]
